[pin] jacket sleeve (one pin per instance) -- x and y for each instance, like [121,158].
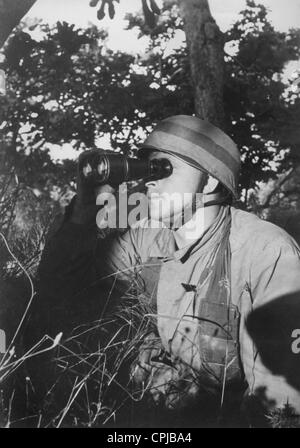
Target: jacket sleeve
[80,261]
[121,260]
[75,273]
[67,262]
[272,368]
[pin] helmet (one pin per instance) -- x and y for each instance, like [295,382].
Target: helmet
[198,143]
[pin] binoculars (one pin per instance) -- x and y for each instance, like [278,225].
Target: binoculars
[101,167]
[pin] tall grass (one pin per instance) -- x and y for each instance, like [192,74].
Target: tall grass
[84,378]
[94,363]
[88,386]
[87,366]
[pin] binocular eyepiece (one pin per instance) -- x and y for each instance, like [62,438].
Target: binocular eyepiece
[106,167]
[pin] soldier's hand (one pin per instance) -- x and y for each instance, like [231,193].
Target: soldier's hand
[85,208]
[166,382]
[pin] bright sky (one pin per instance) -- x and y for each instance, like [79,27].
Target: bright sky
[284,14]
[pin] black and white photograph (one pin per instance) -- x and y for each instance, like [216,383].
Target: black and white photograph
[149,216]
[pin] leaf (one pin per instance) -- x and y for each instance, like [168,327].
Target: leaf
[101,12]
[111,9]
[94,3]
[57,340]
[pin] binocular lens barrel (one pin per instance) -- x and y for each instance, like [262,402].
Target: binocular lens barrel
[114,169]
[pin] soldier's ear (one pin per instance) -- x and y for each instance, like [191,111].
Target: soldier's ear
[211,185]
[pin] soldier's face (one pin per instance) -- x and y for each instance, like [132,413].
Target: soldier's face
[168,196]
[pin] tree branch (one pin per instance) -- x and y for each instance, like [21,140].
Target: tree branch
[205,44]
[11,13]
[278,184]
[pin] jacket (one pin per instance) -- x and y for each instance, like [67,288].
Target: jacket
[265,268]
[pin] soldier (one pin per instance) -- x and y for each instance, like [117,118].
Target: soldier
[226,295]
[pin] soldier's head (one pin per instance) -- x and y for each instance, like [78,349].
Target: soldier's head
[204,160]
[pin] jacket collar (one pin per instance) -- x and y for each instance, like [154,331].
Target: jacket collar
[164,245]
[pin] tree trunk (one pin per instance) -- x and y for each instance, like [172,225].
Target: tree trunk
[205,44]
[11,13]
